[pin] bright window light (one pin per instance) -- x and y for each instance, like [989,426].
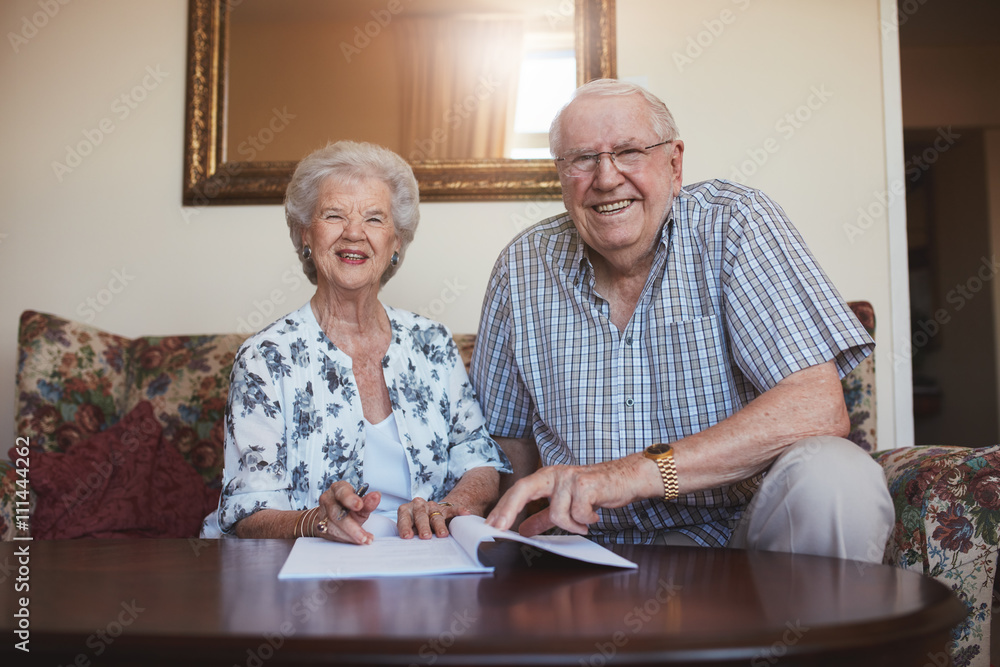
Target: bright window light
[547,81]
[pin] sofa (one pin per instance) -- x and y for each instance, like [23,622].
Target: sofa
[122,438]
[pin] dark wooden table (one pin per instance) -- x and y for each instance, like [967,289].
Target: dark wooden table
[199,602]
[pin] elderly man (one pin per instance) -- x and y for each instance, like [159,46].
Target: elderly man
[672,355]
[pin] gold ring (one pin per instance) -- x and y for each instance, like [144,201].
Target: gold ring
[437,513]
[321,526]
[444,504]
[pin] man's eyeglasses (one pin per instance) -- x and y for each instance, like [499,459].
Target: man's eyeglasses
[626,159]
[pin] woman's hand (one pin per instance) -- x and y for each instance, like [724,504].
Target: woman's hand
[426,518]
[342,513]
[474,493]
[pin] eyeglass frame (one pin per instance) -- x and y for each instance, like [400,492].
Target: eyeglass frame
[609,153]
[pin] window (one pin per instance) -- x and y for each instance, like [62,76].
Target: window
[548,78]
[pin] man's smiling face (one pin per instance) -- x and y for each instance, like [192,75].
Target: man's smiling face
[618,213]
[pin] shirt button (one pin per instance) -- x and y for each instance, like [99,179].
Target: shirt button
[628,340]
[629,402]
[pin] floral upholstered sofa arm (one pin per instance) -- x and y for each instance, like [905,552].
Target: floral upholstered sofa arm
[947,502]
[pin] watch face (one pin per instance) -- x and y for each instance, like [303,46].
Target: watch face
[658,449]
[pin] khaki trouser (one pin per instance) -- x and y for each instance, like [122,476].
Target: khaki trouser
[824,496]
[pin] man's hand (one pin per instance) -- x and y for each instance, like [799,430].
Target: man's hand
[576,492]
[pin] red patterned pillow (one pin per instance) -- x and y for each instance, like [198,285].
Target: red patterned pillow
[123,482]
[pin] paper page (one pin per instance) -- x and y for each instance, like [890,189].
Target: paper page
[392,556]
[471,530]
[381,525]
[388,556]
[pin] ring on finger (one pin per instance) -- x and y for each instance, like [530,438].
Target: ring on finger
[435,514]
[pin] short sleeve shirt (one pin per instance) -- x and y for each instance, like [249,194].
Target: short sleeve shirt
[734,303]
[295,424]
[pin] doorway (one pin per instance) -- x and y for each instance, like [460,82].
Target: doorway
[950,72]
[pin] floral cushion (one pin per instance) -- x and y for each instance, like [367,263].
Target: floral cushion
[71,381]
[947,502]
[74,380]
[186,378]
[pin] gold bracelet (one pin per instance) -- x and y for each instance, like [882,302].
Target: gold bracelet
[305,521]
[312,524]
[298,522]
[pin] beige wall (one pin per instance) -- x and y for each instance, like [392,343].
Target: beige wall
[760,65]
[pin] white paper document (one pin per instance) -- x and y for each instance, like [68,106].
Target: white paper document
[392,556]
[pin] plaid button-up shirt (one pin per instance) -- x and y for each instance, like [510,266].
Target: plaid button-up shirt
[734,303]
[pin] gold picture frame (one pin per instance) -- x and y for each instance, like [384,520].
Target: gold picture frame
[209,179]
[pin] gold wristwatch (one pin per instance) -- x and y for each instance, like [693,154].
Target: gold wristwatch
[663,455]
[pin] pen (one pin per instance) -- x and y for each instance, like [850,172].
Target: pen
[362,490]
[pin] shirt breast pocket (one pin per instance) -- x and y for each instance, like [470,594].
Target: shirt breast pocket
[692,369]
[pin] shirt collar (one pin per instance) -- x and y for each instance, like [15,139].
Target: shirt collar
[581,269]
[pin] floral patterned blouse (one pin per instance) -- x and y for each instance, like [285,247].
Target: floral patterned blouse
[294,423]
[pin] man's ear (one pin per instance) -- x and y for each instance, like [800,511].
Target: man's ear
[677,163]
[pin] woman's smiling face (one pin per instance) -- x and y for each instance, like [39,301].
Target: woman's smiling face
[352,235]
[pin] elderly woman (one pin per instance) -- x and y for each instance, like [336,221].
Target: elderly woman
[347,391]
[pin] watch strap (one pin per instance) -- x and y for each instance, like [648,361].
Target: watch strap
[668,473]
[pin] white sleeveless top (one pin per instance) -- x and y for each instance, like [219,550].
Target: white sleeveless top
[386,466]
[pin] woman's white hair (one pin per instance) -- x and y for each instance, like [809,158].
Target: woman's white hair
[660,117]
[349,161]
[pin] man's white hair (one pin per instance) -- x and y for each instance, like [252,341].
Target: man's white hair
[660,117]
